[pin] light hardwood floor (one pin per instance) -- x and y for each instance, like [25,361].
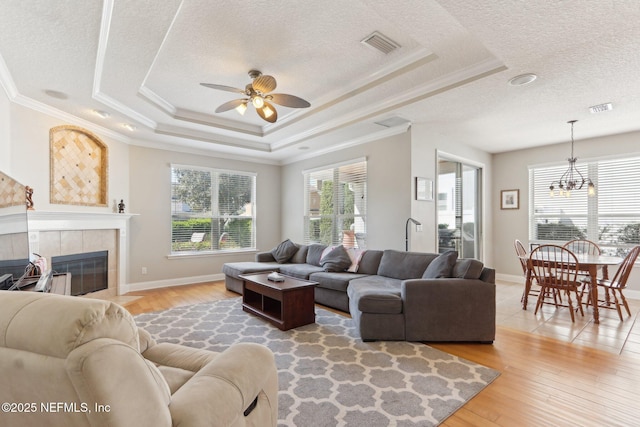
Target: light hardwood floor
[543,381]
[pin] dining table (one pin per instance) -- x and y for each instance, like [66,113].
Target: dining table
[589,263]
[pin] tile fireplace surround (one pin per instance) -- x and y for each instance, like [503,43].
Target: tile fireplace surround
[68,233]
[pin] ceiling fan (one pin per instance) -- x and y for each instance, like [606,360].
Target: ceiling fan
[258,94]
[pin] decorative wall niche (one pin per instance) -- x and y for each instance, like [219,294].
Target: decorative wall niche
[79,167]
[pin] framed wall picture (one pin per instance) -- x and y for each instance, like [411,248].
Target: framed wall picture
[424,189]
[510,199]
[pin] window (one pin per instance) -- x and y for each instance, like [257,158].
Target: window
[611,218]
[336,204]
[212,210]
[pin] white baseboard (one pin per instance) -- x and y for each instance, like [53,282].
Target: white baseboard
[510,278]
[155,284]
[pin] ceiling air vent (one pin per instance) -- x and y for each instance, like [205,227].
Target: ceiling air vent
[601,108]
[380,42]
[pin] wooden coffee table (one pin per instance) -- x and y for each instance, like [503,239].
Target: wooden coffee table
[286,305]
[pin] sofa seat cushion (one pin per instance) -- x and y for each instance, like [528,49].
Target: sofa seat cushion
[334,281]
[376,294]
[235,269]
[299,271]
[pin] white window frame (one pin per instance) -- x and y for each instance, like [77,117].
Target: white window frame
[359,217]
[212,214]
[607,218]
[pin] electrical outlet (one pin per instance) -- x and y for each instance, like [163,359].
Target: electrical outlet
[419,227]
[144,270]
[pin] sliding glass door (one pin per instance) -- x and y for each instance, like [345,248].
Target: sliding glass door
[459,208]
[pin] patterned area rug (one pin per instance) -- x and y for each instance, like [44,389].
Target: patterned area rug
[327,375]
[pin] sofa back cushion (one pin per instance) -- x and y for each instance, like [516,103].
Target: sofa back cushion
[370,262]
[467,268]
[314,254]
[55,325]
[404,265]
[441,266]
[300,257]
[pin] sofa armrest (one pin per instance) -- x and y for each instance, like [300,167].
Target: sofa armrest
[265,257]
[221,392]
[449,309]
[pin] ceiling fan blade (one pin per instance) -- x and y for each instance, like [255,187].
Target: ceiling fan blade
[288,100]
[230,105]
[268,112]
[264,84]
[222,87]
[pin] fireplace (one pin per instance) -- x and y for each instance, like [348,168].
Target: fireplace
[53,234]
[89,271]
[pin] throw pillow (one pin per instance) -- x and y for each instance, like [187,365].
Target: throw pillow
[441,266]
[336,260]
[314,254]
[467,268]
[355,255]
[284,251]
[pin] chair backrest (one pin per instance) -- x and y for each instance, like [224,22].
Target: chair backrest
[583,246]
[621,276]
[554,266]
[520,252]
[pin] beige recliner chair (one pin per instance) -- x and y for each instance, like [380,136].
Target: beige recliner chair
[70,361]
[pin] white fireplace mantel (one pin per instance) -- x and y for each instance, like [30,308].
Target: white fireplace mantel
[69,221]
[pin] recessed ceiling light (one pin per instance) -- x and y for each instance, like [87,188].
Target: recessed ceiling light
[522,79]
[601,108]
[56,94]
[129,127]
[101,113]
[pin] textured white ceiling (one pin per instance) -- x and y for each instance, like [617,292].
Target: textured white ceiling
[143,61]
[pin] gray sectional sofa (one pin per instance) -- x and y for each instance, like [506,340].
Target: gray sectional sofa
[392,295]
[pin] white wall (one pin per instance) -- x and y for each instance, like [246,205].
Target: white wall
[511,172]
[5,127]
[388,186]
[425,145]
[29,154]
[150,232]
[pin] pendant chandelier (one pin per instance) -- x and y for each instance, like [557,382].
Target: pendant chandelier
[572,179]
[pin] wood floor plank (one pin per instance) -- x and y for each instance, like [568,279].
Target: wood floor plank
[543,382]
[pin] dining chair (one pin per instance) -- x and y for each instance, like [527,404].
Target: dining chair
[617,284]
[555,269]
[584,246]
[521,252]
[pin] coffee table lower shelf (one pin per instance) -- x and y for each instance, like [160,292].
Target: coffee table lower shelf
[286,305]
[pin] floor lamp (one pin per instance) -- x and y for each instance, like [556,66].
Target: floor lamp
[406,235]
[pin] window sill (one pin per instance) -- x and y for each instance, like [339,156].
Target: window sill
[209,254]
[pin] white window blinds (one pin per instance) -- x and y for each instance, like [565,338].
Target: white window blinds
[335,204]
[211,210]
[611,218]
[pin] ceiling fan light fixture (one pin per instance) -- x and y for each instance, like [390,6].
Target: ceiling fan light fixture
[242,108]
[258,93]
[268,112]
[257,101]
